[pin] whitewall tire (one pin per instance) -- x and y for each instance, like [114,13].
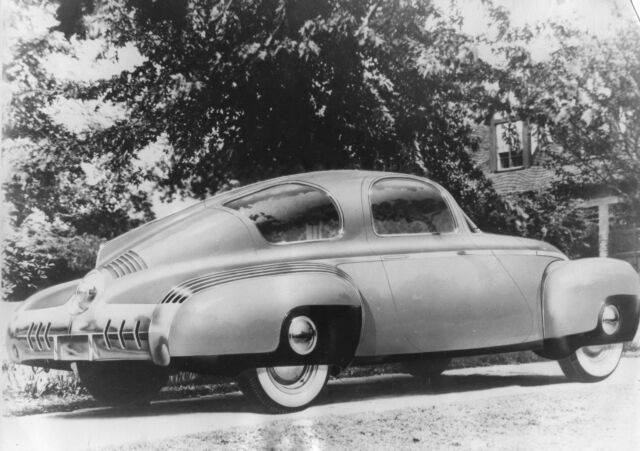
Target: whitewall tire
[285,388]
[592,363]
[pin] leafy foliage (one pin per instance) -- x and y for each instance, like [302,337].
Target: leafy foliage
[247,90]
[597,120]
[250,89]
[585,98]
[58,211]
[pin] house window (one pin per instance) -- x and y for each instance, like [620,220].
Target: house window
[511,144]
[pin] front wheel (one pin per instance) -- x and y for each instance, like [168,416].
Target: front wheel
[122,383]
[592,363]
[283,389]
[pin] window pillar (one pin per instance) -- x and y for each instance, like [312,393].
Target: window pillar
[603,230]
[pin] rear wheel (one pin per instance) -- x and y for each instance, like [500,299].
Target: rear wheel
[122,383]
[592,363]
[283,389]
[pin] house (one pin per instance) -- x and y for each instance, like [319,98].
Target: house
[510,156]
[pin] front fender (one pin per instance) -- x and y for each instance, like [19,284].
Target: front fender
[574,293]
[246,315]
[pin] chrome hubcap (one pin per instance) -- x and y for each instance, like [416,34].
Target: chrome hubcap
[610,320]
[303,335]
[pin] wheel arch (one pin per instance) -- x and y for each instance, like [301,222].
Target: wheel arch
[575,292]
[248,316]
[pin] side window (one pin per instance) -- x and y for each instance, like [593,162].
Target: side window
[291,212]
[401,206]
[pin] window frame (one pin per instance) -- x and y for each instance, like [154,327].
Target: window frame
[525,140]
[443,193]
[336,205]
[473,228]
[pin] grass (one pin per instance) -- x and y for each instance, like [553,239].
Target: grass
[26,391]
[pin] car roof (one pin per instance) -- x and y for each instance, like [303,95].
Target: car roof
[334,181]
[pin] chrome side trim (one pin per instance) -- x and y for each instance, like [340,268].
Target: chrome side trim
[530,252]
[515,252]
[183,291]
[552,254]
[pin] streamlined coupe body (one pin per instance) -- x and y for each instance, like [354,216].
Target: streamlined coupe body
[283,282]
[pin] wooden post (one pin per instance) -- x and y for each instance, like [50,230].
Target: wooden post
[636,247]
[603,230]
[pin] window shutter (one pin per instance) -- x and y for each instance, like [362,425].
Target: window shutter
[493,146]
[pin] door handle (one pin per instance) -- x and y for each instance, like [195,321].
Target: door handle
[475,252]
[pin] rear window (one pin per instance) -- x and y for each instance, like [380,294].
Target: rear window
[402,206]
[290,213]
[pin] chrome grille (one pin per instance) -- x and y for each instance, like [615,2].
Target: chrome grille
[38,336]
[118,335]
[125,264]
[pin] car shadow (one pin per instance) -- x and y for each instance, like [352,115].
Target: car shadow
[338,391]
[410,386]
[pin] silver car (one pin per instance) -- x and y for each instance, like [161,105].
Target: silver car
[286,281]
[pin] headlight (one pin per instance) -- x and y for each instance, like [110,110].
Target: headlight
[86,292]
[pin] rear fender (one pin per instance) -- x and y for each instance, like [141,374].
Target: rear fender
[54,296]
[575,292]
[250,316]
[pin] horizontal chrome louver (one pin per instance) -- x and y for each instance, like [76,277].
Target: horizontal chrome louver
[127,263]
[180,293]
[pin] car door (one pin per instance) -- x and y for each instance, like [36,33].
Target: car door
[448,294]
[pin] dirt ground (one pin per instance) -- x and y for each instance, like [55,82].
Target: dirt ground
[599,419]
[506,407]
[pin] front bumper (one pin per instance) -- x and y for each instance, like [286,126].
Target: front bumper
[106,332]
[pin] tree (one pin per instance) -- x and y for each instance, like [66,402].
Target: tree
[584,98]
[247,90]
[58,211]
[583,103]
[595,114]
